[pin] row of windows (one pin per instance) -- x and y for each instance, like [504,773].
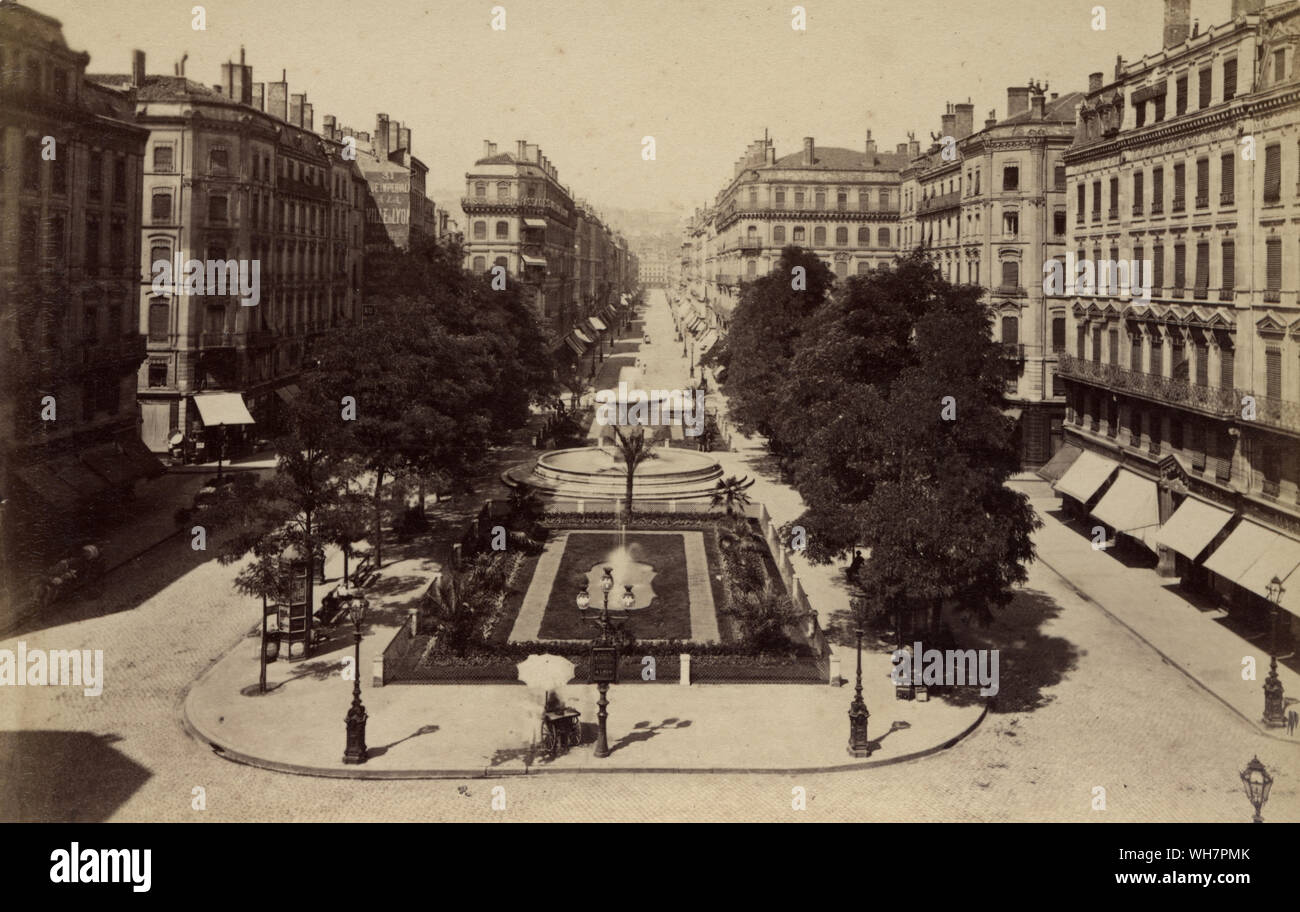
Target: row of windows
[802,199]
[32,74]
[799,235]
[292,309]
[1010,182]
[97,323]
[504,189]
[100,184]
[1161,256]
[51,250]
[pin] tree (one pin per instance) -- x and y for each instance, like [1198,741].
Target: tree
[729,493]
[636,450]
[765,615]
[264,577]
[765,327]
[869,445]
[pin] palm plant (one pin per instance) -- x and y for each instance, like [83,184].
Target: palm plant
[764,616]
[729,493]
[452,608]
[636,450]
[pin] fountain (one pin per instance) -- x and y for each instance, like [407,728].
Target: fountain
[594,473]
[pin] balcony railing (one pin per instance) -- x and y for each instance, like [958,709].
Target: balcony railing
[753,243]
[1113,214]
[1157,207]
[1010,290]
[724,279]
[536,204]
[1137,208]
[1180,203]
[1202,202]
[1226,198]
[216,340]
[1277,412]
[1013,351]
[1220,402]
[940,202]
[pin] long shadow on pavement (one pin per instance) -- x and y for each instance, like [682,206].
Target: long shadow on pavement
[64,777]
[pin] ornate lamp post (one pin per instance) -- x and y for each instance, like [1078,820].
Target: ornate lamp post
[692,357]
[1257,782]
[1273,697]
[859,744]
[604,652]
[356,717]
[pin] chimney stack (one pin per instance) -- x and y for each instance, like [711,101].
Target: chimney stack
[992,119]
[1017,100]
[259,96]
[327,126]
[296,101]
[137,69]
[871,145]
[530,153]
[1246,7]
[948,123]
[913,146]
[308,118]
[394,135]
[1178,15]
[965,119]
[1036,106]
[521,150]
[809,152]
[1119,66]
[381,137]
[901,149]
[277,97]
[1095,81]
[404,139]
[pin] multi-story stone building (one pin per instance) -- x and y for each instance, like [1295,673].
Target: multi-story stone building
[989,207]
[521,217]
[1188,160]
[840,204]
[236,173]
[70,345]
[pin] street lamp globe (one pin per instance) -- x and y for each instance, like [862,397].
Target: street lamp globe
[583,600]
[607,581]
[628,598]
[1257,782]
[1275,590]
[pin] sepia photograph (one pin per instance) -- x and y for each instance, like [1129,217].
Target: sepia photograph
[836,412]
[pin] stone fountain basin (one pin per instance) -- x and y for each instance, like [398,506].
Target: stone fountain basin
[590,472]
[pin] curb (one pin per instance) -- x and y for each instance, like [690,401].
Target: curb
[1168,660]
[227,753]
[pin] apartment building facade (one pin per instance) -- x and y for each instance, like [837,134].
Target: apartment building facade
[989,207]
[1189,160]
[70,346]
[236,172]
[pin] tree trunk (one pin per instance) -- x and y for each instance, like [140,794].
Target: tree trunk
[628,509]
[379,519]
[347,549]
[261,681]
[311,581]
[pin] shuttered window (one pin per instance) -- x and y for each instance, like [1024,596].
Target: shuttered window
[1180,99]
[1230,79]
[1140,276]
[1227,368]
[1114,197]
[1157,269]
[1202,363]
[1196,446]
[1229,268]
[1112,342]
[1096,344]
[1273,173]
[1180,187]
[1273,373]
[1202,183]
[1079,335]
[1157,190]
[1010,330]
[1228,179]
[1096,200]
[158,320]
[1202,268]
[1058,334]
[1205,87]
[1137,191]
[1273,268]
[1083,201]
[1010,274]
[1156,362]
[1180,269]
[1219,448]
[1135,352]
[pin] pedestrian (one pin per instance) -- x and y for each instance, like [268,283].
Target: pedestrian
[1292,718]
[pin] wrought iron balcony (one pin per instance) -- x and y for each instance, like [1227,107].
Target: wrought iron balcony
[751,244]
[1277,412]
[1013,351]
[941,202]
[1226,198]
[1222,403]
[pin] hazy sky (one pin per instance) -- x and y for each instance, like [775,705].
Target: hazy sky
[587,79]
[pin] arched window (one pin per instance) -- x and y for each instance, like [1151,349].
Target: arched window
[1010,274]
[480,264]
[480,231]
[864,237]
[778,234]
[841,236]
[799,234]
[480,189]
[503,189]
[819,235]
[752,268]
[882,237]
[503,230]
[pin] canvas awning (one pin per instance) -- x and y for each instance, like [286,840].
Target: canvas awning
[1279,559]
[1131,506]
[582,337]
[222,408]
[1088,473]
[532,260]
[1012,413]
[1245,546]
[706,342]
[1060,462]
[288,392]
[79,477]
[534,223]
[1192,527]
[598,323]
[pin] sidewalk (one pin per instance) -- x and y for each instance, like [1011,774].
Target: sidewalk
[1152,607]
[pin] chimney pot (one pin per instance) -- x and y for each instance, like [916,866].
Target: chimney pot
[948,124]
[137,68]
[296,101]
[308,118]
[258,99]
[965,124]
[277,99]
[1017,100]
[1178,14]
[809,151]
[521,149]
[1095,81]
[1036,106]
